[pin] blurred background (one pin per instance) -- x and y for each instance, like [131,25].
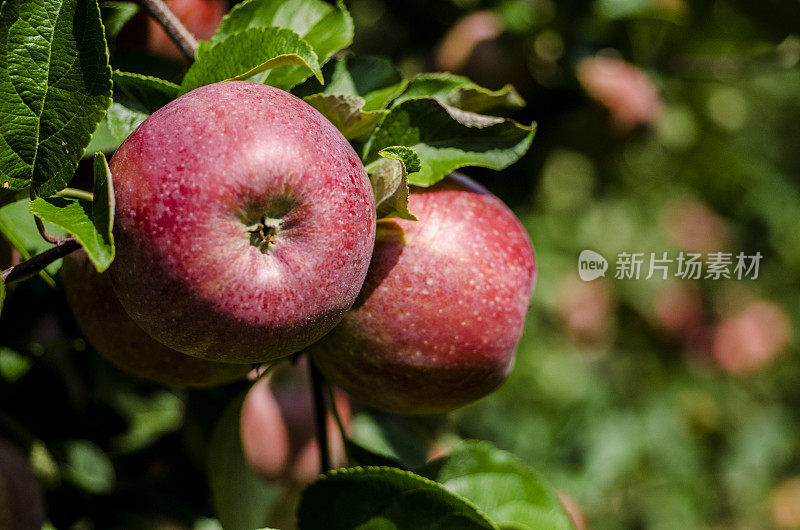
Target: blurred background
[664,126]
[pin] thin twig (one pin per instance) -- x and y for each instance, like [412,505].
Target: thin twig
[320,417]
[339,422]
[172,25]
[32,266]
[40,225]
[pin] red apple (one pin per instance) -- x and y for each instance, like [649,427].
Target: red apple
[244,224]
[120,341]
[21,499]
[277,427]
[443,306]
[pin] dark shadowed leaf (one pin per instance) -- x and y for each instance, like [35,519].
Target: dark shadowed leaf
[116,15]
[384,497]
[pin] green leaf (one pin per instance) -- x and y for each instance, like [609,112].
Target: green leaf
[346,113]
[148,417]
[13,365]
[446,138]
[358,455]
[116,14]
[88,467]
[122,120]
[327,29]
[406,155]
[248,52]
[149,93]
[103,139]
[460,92]
[90,222]
[389,181]
[384,497]
[55,87]
[510,492]
[18,226]
[374,79]
[241,499]
[402,438]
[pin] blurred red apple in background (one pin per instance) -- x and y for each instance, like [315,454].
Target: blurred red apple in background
[244,224]
[120,341]
[277,426]
[785,504]
[586,309]
[624,89]
[750,339]
[438,320]
[693,226]
[21,499]
[679,309]
[458,44]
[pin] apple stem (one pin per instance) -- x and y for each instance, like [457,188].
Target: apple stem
[32,266]
[320,417]
[162,14]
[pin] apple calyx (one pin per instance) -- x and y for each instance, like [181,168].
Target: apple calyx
[263,233]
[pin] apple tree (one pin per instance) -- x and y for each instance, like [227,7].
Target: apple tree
[267,214]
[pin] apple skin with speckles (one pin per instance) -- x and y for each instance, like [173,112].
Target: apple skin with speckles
[244,224]
[437,322]
[120,341]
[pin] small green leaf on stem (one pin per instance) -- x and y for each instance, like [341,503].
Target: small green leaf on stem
[390,181]
[346,113]
[90,222]
[243,54]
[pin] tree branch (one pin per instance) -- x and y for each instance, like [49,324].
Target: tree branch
[28,268]
[320,416]
[172,25]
